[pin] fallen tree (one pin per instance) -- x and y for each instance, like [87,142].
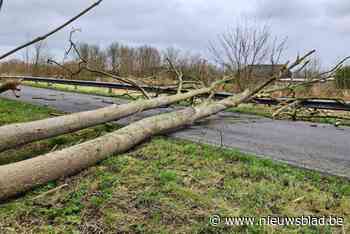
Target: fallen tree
[20,177]
[23,133]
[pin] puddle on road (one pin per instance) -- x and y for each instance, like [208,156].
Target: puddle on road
[44,99]
[107,102]
[81,103]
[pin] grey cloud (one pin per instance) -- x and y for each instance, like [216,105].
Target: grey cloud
[187,24]
[284,10]
[338,8]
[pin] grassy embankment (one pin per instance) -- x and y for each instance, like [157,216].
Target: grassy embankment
[166,186]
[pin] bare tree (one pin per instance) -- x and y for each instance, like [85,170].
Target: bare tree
[38,57]
[243,46]
[172,54]
[313,68]
[148,60]
[113,54]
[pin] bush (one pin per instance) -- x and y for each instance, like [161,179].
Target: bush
[342,78]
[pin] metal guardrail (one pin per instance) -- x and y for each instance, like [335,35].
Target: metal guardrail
[91,83]
[314,103]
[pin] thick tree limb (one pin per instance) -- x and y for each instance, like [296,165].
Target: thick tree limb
[41,38]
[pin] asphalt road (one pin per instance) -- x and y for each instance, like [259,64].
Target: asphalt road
[318,147]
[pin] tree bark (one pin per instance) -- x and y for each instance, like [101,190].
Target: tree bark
[22,176]
[23,133]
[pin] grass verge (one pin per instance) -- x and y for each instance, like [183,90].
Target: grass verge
[85,90]
[168,186]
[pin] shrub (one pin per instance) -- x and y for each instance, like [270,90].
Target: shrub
[342,78]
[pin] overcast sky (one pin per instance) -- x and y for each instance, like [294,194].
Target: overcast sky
[187,24]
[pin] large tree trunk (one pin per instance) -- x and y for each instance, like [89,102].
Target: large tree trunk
[23,133]
[22,176]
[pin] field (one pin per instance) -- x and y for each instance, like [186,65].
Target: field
[166,186]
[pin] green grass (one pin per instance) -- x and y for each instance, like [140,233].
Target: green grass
[81,89]
[13,112]
[169,186]
[258,110]
[16,112]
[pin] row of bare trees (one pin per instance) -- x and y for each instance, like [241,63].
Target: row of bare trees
[120,59]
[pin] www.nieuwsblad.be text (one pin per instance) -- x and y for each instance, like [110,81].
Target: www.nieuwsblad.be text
[217,220]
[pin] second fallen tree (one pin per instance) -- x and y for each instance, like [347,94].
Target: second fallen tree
[22,176]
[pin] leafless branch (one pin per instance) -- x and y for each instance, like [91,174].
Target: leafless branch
[322,77]
[179,75]
[51,61]
[283,71]
[285,107]
[52,191]
[336,67]
[83,64]
[41,38]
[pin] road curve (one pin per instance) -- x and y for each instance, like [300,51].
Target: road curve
[320,147]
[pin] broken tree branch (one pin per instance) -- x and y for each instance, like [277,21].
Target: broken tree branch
[322,77]
[179,75]
[285,107]
[50,192]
